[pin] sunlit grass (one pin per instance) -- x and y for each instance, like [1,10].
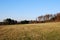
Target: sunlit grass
[43,31]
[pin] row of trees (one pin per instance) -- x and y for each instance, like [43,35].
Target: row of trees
[40,19]
[10,21]
[49,18]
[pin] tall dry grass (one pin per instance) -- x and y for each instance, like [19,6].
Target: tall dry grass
[43,31]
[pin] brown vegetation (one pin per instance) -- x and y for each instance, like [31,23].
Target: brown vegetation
[50,18]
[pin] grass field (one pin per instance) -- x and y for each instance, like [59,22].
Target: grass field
[43,31]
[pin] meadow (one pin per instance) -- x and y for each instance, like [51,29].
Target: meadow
[41,31]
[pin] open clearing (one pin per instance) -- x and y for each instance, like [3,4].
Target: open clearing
[43,31]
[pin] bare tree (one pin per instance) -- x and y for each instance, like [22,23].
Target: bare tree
[47,17]
[57,17]
[40,18]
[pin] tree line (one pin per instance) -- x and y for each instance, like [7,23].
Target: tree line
[40,19]
[49,18]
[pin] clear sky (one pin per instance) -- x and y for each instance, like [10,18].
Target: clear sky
[27,9]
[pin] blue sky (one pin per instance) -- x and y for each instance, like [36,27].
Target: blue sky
[27,9]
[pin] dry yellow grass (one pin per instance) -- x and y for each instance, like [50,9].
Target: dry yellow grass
[43,31]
